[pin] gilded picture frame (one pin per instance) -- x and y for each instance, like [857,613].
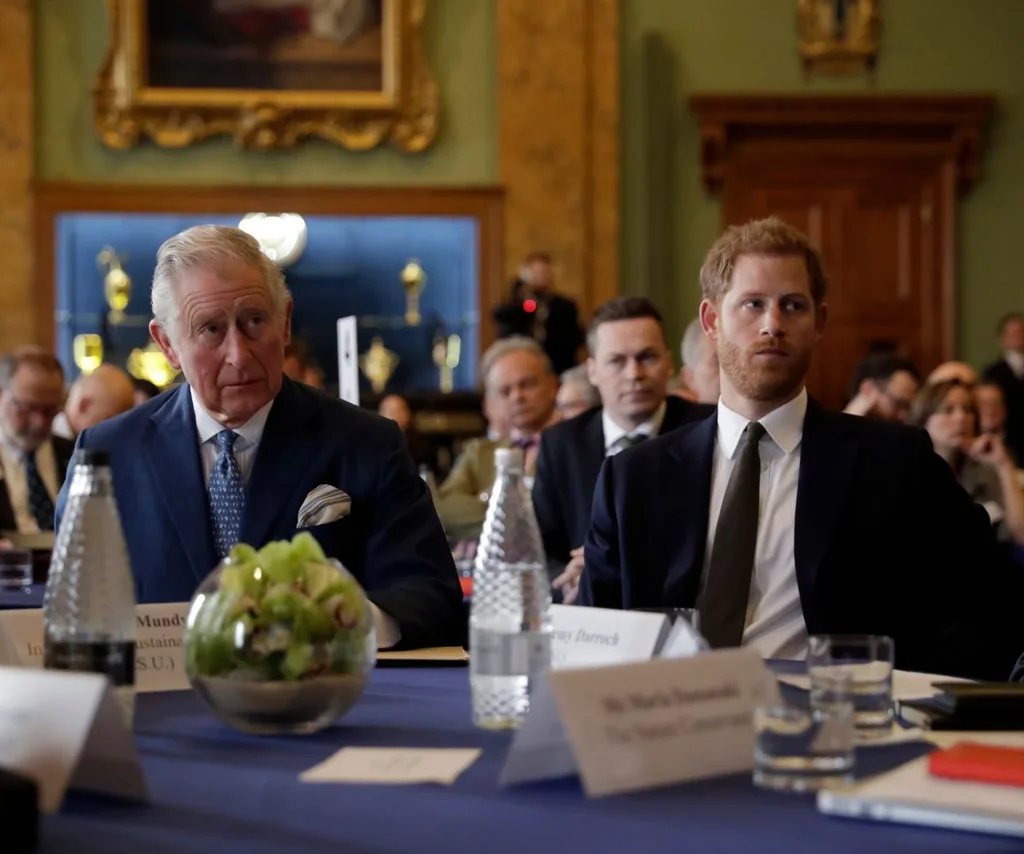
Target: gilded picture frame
[269,73]
[838,36]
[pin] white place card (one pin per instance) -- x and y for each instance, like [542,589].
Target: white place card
[65,730]
[683,641]
[642,725]
[591,637]
[159,663]
[392,765]
[348,360]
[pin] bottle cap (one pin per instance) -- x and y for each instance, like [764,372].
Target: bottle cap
[92,457]
[509,458]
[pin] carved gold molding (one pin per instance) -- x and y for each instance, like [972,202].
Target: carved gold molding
[406,111]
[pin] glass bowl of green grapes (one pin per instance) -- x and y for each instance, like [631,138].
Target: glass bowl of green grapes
[280,640]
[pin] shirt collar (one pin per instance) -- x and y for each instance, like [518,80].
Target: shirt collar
[1015,361]
[613,433]
[208,427]
[785,425]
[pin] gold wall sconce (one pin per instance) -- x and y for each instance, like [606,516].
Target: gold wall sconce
[414,280]
[378,365]
[150,363]
[447,353]
[88,352]
[117,285]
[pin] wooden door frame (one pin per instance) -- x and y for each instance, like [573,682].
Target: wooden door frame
[946,131]
[484,204]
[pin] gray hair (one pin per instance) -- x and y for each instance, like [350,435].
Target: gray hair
[209,247]
[690,347]
[32,356]
[513,344]
[578,376]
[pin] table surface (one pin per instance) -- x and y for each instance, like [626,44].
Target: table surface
[214,789]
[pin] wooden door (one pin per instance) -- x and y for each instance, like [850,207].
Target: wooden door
[876,231]
[874,182]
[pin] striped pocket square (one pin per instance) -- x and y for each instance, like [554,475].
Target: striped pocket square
[323,505]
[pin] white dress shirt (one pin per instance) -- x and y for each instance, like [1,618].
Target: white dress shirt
[244,450]
[614,435]
[13,459]
[775,621]
[1016,362]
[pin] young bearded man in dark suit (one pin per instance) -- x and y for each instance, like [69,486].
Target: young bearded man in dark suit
[1008,374]
[243,454]
[631,366]
[780,520]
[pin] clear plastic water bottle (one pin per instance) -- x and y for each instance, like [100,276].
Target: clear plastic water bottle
[89,609]
[509,625]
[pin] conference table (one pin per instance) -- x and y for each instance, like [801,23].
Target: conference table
[216,790]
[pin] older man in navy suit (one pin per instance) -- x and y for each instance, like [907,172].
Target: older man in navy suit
[243,454]
[780,520]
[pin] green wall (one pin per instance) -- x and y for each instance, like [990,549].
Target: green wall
[750,46]
[459,41]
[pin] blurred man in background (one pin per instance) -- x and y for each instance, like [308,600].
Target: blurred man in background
[95,397]
[884,386]
[576,394]
[700,364]
[1008,374]
[536,311]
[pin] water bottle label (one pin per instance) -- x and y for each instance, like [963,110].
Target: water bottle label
[114,659]
[501,654]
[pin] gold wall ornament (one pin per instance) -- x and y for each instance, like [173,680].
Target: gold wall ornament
[87,350]
[147,85]
[447,353]
[117,285]
[150,363]
[414,280]
[838,36]
[378,364]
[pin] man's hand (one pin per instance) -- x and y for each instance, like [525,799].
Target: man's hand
[569,581]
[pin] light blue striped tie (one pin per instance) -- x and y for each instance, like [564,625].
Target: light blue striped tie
[227,495]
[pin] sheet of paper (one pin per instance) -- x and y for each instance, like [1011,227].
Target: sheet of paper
[540,749]
[590,637]
[65,730]
[348,360]
[392,765]
[159,663]
[640,726]
[906,685]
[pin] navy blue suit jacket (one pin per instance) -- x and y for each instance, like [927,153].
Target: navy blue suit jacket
[391,540]
[886,541]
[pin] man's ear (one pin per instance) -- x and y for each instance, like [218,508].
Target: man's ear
[709,319]
[163,341]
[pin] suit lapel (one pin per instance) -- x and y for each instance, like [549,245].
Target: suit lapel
[828,457]
[591,459]
[171,449]
[692,454]
[282,464]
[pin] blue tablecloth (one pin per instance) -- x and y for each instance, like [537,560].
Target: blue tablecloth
[215,790]
[25,597]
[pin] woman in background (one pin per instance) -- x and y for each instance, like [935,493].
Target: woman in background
[982,464]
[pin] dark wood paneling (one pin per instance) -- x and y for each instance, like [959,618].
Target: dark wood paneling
[484,204]
[872,181]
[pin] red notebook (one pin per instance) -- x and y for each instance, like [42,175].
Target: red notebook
[979,763]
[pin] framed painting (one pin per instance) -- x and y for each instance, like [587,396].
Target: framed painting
[267,72]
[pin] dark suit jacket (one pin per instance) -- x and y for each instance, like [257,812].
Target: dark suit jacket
[391,540]
[886,542]
[563,333]
[1003,376]
[568,462]
[62,451]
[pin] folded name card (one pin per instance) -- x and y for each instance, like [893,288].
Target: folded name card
[159,663]
[589,637]
[392,765]
[66,730]
[643,725]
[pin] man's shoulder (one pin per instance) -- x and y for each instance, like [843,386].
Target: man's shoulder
[572,429]
[997,370]
[871,434]
[679,411]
